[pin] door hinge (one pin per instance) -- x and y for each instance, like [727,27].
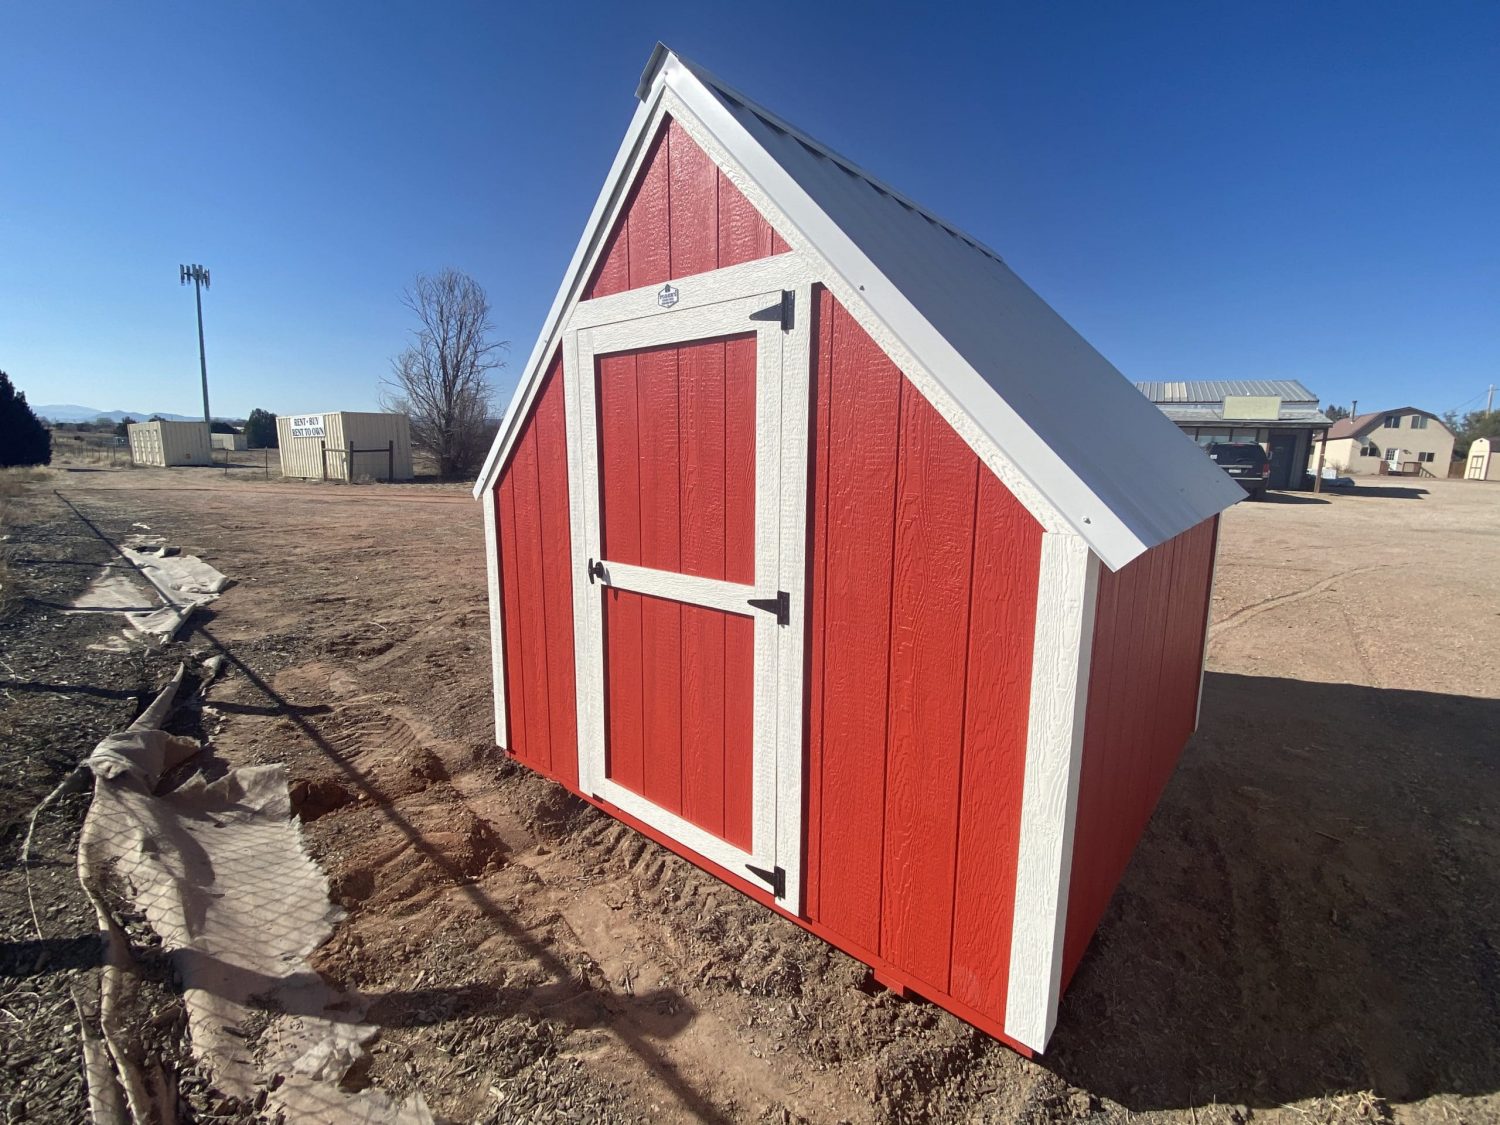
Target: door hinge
[776,877]
[596,571]
[788,310]
[780,605]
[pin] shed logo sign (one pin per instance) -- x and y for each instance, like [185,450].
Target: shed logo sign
[667,297]
[308,425]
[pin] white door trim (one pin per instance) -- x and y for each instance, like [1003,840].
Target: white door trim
[731,301]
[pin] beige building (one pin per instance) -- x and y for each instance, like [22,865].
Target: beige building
[1484,460]
[345,445]
[163,444]
[228,441]
[1405,441]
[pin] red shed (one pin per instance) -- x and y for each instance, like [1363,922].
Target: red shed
[822,551]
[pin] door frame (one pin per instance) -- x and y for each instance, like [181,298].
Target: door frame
[773,298]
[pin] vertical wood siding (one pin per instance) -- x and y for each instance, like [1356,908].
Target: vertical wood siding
[1142,706]
[923,577]
[683,217]
[536,583]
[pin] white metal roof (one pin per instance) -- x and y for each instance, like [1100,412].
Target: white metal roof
[1116,470]
[1216,390]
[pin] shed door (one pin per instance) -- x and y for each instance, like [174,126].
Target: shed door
[690,643]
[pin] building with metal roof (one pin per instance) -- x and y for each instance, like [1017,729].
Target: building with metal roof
[1280,414]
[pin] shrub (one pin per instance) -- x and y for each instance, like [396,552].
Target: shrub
[23,438]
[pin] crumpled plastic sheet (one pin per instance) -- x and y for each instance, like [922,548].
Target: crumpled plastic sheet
[219,871]
[181,583]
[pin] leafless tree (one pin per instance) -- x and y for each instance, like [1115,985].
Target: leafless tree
[442,380]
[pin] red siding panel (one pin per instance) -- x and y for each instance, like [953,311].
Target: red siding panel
[1002,627]
[683,217]
[536,589]
[864,425]
[557,579]
[1142,702]
[916,721]
[934,554]
[528,530]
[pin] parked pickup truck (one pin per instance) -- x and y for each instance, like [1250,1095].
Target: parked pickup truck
[1246,462]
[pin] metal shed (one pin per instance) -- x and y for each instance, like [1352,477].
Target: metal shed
[345,445]
[164,444]
[805,559]
[228,441]
[1484,460]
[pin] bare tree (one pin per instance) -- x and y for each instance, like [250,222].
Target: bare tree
[442,380]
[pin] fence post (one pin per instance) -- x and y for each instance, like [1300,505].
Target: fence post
[323,452]
[390,460]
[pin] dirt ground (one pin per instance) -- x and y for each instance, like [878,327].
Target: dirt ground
[1310,930]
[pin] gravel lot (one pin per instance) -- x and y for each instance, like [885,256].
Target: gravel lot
[1310,930]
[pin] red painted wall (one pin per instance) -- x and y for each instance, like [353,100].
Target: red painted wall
[1142,706]
[923,575]
[536,584]
[683,217]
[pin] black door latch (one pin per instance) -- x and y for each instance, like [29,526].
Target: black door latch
[596,571]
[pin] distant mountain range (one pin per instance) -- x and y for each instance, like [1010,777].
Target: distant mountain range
[67,412]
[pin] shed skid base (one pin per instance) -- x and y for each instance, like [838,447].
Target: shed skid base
[885,974]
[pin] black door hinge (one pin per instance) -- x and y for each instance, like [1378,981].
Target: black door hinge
[596,571]
[780,605]
[788,310]
[776,877]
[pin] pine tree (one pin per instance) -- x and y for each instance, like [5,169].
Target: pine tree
[23,438]
[260,430]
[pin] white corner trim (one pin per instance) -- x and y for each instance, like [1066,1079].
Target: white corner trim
[1067,591]
[497,620]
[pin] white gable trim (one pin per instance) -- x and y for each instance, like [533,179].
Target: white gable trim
[663,101]
[967,401]
[1047,485]
[854,303]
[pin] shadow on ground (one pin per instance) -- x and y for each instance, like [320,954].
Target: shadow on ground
[1315,908]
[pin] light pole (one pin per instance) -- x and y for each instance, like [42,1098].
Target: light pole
[198,275]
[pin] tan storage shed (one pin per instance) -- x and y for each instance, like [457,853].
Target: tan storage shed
[228,441]
[345,445]
[1484,460]
[164,444]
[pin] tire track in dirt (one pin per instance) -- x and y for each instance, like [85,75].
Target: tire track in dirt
[1255,609]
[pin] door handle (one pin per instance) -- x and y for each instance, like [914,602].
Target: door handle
[780,605]
[596,571]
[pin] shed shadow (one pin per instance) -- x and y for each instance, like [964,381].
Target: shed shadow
[1314,909]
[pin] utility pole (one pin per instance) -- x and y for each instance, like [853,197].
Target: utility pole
[198,275]
[1489,403]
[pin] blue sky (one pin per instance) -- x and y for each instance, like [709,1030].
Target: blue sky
[1266,190]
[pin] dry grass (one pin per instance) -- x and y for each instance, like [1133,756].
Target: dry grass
[13,485]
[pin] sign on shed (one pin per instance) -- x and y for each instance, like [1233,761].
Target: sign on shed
[308,425]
